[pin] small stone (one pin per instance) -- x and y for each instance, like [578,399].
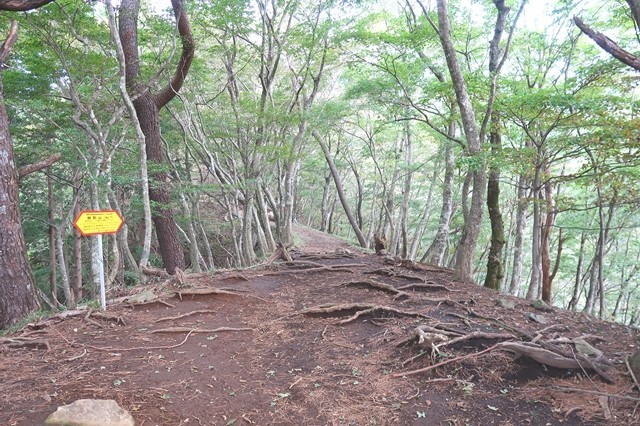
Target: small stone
[91,412]
[541,305]
[145,296]
[537,318]
[584,348]
[505,303]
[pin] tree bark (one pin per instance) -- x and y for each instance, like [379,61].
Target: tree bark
[521,220]
[22,5]
[17,286]
[471,229]
[340,189]
[147,106]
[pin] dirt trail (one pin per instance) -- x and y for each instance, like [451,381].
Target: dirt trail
[260,355]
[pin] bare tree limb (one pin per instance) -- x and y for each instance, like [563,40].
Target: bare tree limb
[608,45]
[38,165]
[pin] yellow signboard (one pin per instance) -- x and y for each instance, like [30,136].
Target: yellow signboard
[96,222]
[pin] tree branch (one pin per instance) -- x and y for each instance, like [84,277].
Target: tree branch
[22,5]
[608,45]
[188,48]
[38,165]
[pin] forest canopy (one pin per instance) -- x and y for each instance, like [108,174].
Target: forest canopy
[497,138]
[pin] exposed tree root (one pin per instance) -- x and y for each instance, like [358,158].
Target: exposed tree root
[428,286]
[343,253]
[198,330]
[362,309]
[477,335]
[610,395]
[203,311]
[313,267]
[553,359]
[281,252]
[203,292]
[235,276]
[390,272]
[443,363]
[151,302]
[434,339]
[21,342]
[377,285]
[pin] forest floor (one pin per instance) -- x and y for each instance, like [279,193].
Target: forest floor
[328,339]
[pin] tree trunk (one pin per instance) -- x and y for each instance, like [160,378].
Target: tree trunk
[147,107]
[17,286]
[406,190]
[144,175]
[436,252]
[471,229]
[518,252]
[424,219]
[547,276]
[536,255]
[495,271]
[340,189]
[53,272]
[573,303]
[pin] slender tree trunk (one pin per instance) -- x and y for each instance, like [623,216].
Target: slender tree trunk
[436,252]
[324,207]
[536,255]
[340,188]
[573,303]
[547,276]
[518,252]
[77,247]
[70,301]
[424,219]
[406,190]
[467,245]
[53,273]
[144,175]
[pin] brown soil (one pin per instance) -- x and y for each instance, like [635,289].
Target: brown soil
[279,364]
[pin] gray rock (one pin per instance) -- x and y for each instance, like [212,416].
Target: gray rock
[541,305]
[506,303]
[537,318]
[91,412]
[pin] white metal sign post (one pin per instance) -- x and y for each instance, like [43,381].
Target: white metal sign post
[96,223]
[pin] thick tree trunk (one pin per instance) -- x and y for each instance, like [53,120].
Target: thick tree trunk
[147,107]
[17,286]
